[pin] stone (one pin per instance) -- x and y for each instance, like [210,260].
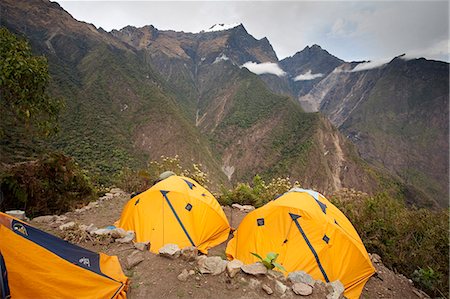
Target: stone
[109,195]
[254,269]
[90,228]
[335,289]
[100,232]
[236,206]
[211,264]
[375,258]
[254,283]
[247,208]
[45,219]
[118,233]
[93,204]
[234,267]
[272,274]
[115,190]
[142,246]
[81,210]
[302,289]
[280,288]
[134,259]
[189,253]
[191,272]
[19,214]
[129,237]
[67,225]
[301,276]
[183,276]
[171,251]
[267,289]
[61,218]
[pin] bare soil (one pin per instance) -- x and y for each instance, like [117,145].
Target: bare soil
[156,277]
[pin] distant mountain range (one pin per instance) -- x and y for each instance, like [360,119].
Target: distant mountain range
[138,93]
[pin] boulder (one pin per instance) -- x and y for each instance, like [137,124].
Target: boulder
[19,214]
[211,264]
[45,219]
[142,246]
[67,225]
[134,259]
[234,267]
[335,289]
[189,253]
[280,288]
[171,251]
[267,289]
[254,269]
[301,276]
[302,289]
[183,276]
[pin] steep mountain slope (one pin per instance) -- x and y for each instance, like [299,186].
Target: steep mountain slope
[397,116]
[307,67]
[140,93]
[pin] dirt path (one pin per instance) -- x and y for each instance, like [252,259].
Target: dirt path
[156,277]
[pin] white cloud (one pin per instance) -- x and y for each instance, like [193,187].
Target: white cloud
[370,65]
[308,76]
[264,68]
[438,51]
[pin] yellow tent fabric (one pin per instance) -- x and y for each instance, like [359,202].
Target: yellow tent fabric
[310,234]
[176,210]
[40,265]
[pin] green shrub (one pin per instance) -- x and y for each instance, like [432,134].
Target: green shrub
[414,242]
[257,195]
[141,180]
[51,185]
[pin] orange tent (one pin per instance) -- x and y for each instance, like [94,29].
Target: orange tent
[35,264]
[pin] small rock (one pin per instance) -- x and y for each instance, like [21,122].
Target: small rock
[212,264]
[100,232]
[142,246]
[302,289]
[67,225]
[335,289]
[110,195]
[189,253]
[280,287]
[19,214]
[134,259]
[93,204]
[171,251]
[81,210]
[44,219]
[254,283]
[61,218]
[254,269]
[91,228]
[301,276]
[234,267]
[118,233]
[115,190]
[82,227]
[275,275]
[236,206]
[267,289]
[247,208]
[375,258]
[183,276]
[128,238]
[191,272]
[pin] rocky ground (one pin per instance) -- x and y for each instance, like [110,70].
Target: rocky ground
[155,276]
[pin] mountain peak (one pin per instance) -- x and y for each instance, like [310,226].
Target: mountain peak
[222,27]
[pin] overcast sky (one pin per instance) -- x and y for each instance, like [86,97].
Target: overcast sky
[349,30]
